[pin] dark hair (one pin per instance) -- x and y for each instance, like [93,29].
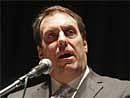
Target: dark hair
[50,11]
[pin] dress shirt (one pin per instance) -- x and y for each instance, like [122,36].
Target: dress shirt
[76,83]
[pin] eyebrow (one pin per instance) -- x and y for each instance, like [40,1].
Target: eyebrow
[63,27]
[50,29]
[68,27]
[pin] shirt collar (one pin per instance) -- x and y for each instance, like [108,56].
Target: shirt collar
[74,83]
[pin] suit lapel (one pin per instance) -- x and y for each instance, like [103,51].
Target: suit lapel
[90,87]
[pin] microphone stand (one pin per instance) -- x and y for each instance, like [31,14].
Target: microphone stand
[44,67]
[13,86]
[19,82]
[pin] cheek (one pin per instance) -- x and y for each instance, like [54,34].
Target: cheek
[79,48]
[78,45]
[51,50]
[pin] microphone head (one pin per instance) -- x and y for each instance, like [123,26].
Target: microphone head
[45,65]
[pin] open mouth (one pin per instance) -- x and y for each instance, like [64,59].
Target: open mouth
[66,55]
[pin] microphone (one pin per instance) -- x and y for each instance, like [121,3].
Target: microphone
[44,67]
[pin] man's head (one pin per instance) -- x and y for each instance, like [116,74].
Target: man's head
[61,37]
[50,11]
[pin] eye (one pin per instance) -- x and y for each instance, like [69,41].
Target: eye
[70,33]
[50,37]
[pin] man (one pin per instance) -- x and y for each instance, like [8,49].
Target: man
[60,36]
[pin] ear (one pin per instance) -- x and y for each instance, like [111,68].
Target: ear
[85,46]
[40,52]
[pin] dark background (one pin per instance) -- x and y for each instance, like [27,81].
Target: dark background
[107,28]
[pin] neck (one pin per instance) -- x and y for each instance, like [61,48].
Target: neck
[64,77]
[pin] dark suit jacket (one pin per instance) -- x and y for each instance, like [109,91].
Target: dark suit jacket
[94,86]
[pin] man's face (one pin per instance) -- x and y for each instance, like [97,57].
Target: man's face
[62,43]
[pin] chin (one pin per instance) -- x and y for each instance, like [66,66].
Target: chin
[71,67]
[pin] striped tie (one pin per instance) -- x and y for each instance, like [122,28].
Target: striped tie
[64,91]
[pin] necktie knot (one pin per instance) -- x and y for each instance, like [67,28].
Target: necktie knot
[64,91]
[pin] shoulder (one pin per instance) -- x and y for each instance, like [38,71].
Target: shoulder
[109,80]
[112,85]
[33,89]
[114,82]
[116,86]
[29,92]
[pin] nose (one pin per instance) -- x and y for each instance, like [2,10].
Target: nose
[62,40]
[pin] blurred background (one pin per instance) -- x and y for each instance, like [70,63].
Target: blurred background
[107,25]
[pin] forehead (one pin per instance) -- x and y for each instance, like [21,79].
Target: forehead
[56,20]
